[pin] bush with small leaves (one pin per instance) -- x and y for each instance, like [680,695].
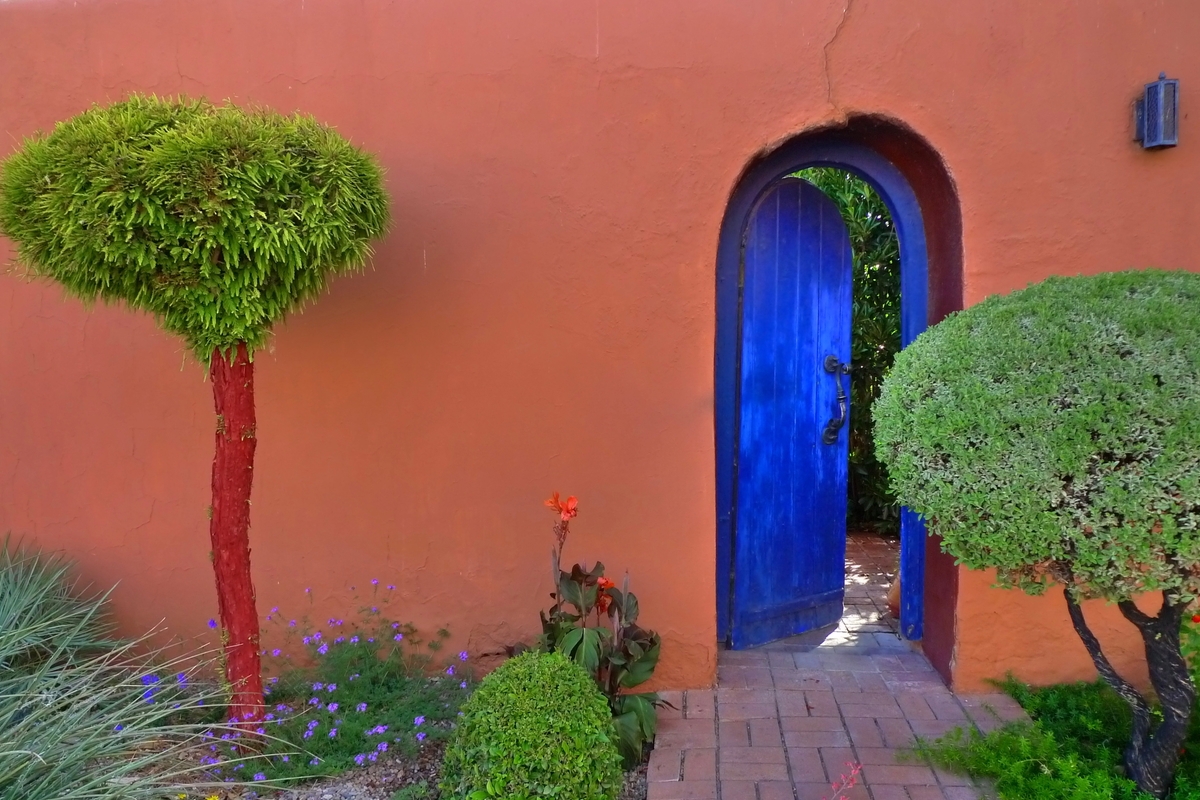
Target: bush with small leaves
[1053,435]
[536,727]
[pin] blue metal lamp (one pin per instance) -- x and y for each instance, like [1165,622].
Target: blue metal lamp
[1156,114]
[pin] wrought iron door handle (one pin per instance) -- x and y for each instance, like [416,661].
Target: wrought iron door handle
[832,365]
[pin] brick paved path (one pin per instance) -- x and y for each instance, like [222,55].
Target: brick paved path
[785,719]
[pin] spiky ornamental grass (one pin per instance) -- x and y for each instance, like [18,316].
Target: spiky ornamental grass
[219,221]
[1053,434]
[84,716]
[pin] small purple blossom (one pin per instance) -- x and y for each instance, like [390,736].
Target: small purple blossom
[463,656]
[421,736]
[462,685]
[395,625]
[307,640]
[374,581]
[118,728]
[318,687]
[373,757]
[312,723]
[314,701]
[332,687]
[308,734]
[353,640]
[381,747]
[332,707]
[359,759]
[361,707]
[181,678]
[276,652]
[352,677]
[391,586]
[312,763]
[333,733]
[450,670]
[419,721]
[212,623]
[339,640]
[258,776]
[323,649]
[398,637]
[292,623]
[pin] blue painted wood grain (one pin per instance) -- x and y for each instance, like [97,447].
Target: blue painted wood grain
[790,541]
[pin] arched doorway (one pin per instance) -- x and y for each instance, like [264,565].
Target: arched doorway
[913,182]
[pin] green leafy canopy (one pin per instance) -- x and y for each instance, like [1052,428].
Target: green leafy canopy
[219,221]
[1054,433]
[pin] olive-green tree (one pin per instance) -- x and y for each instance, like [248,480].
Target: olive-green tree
[1053,435]
[219,222]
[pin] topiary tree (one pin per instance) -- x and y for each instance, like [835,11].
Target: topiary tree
[536,727]
[219,222]
[1053,434]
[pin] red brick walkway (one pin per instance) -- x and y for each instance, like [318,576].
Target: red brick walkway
[786,720]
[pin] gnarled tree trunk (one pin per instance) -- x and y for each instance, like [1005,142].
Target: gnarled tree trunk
[1153,752]
[232,474]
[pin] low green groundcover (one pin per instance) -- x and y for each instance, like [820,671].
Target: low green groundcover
[1071,751]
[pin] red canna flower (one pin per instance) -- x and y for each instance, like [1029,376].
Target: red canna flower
[1196,619]
[566,508]
[603,599]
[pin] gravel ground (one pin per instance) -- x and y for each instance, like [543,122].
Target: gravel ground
[383,780]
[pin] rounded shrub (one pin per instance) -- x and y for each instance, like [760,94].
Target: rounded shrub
[536,727]
[1058,428]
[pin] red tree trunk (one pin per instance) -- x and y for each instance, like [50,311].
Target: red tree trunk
[232,474]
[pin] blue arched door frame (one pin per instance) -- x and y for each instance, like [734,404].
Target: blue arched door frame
[898,195]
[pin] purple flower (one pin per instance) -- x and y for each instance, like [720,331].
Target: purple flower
[331,687]
[312,723]
[212,623]
[308,591]
[391,586]
[450,670]
[352,677]
[421,736]
[395,625]
[258,776]
[374,581]
[285,759]
[260,731]
[292,624]
[275,610]
[181,679]
[332,707]
[398,637]
[462,656]
[316,636]
[149,680]
[374,609]
[381,747]
[269,717]
[361,707]
[462,685]
[312,763]
[359,759]
[308,734]
[333,733]
[373,757]
[419,721]
[318,687]
[307,640]
[339,640]
[323,649]
[314,701]
[118,728]
[370,638]
[353,640]
[276,652]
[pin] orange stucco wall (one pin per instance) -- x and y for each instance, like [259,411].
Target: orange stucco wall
[542,315]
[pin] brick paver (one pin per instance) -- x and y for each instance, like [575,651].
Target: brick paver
[788,719]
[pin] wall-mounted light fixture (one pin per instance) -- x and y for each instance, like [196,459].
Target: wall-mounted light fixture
[1156,114]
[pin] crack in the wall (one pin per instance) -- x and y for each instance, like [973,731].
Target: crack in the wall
[825,52]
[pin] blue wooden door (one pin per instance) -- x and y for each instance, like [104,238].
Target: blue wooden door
[789,540]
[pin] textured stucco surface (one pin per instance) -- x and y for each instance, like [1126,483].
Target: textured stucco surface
[541,316]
